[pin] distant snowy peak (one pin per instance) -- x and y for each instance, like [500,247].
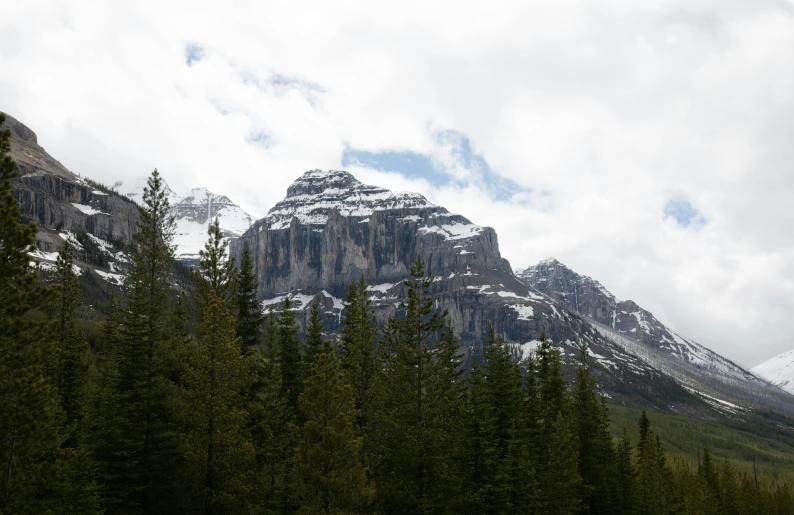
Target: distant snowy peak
[779,371]
[193,214]
[316,192]
[624,317]
[202,206]
[134,190]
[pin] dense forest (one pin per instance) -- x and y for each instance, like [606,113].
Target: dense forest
[195,401]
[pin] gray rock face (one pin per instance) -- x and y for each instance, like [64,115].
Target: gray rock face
[62,204]
[331,229]
[644,334]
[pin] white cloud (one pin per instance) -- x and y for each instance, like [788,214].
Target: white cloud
[604,110]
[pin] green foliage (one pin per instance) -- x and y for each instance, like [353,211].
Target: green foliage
[360,359]
[313,343]
[140,456]
[215,443]
[289,354]
[249,313]
[30,414]
[331,478]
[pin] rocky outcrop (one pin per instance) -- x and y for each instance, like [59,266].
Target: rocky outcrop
[66,206]
[639,331]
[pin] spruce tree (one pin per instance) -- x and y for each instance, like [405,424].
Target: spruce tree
[75,488]
[596,452]
[331,478]
[249,312]
[360,359]
[314,338]
[30,414]
[147,444]
[561,478]
[70,365]
[215,268]
[215,445]
[410,466]
[289,354]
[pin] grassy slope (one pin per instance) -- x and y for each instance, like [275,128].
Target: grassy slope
[737,440]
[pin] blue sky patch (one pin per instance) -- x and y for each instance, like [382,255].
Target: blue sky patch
[457,149]
[193,54]
[259,138]
[408,164]
[683,212]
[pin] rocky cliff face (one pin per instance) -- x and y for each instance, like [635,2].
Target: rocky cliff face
[641,333]
[65,205]
[331,229]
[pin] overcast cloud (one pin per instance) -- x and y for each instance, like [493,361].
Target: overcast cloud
[647,144]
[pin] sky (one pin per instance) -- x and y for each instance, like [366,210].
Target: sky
[646,144]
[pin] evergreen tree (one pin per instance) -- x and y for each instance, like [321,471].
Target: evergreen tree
[215,445]
[360,359]
[30,414]
[143,392]
[561,478]
[330,475]
[71,356]
[411,469]
[654,487]
[314,338]
[215,268]
[249,312]
[624,477]
[289,354]
[596,452]
[271,422]
[75,488]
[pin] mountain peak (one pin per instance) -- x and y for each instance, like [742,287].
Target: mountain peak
[316,192]
[20,130]
[318,181]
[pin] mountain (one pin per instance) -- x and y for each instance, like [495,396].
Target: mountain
[779,371]
[640,332]
[331,228]
[97,219]
[134,190]
[195,211]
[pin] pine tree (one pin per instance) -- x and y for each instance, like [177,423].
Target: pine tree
[330,474]
[625,477]
[71,356]
[215,445]
[561,478]
[75,488]
[360,359]
[30,414]
[271,423]
[143,392]
[249,312]
[314,338]
[408,430]
[289,354]
[596,453]
[216,269]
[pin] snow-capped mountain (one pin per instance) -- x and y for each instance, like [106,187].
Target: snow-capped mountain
[330,229]
[640,332]
[316,192]
[779,371]
[195,211]
[134,190]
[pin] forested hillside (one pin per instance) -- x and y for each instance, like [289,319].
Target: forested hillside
[194,401]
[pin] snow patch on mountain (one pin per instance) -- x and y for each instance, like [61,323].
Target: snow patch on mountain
[314,194]
[134,190]
[779,371]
